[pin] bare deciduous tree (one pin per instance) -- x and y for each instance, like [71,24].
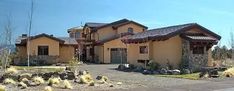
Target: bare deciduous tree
[232,43]
[5,49]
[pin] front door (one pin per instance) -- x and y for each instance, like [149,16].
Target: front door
[118,55]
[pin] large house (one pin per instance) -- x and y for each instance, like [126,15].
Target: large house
[125,41]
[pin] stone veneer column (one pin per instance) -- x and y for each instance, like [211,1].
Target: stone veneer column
[193,61]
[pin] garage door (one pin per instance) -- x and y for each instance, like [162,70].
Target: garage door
[118,55]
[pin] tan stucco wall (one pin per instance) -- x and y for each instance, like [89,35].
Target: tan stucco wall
[66,53]
[133,53]
[159,51]
[22,51]
[124,28]
[104,33]
[44,41]
[117,43]
[169,50]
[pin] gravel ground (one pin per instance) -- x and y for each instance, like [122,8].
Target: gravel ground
[132,81]
[136,78]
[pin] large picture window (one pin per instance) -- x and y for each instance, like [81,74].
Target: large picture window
[198,50]
[43,50]
[143,49]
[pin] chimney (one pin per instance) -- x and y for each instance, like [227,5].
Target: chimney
[24,35]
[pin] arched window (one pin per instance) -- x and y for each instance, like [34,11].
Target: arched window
[130,30]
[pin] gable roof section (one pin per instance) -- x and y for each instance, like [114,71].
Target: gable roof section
[116,24]
[68,40]
[94,24]
[61,40]
[48,36]
[167,32]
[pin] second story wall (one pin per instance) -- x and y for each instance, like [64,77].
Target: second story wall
[104,33]
[125,28]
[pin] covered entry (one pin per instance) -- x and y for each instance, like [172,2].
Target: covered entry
[118,55]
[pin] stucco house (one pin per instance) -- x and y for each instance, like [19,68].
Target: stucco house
[45,49]
[189,44]
[103,40]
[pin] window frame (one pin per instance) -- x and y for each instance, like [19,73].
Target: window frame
[143,49]
[198,50]
[130,30]
[43,50]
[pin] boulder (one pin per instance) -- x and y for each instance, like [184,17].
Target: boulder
[70,75]
[185,71]
[163,71]
[63,75]
[47,76]
[147,72]
[176,72]
[138,69]
[123,67]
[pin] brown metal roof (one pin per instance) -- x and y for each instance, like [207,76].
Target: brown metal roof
[166,32]
[115,24]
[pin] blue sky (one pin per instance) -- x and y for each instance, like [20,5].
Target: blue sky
[56,16]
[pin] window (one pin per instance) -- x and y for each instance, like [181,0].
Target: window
[143,49]
[198,50]
[43,50]
[130,30]
[77,34]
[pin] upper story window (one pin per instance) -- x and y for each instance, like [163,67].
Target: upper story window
[43,50]
[130,30]
[77,35]
[198,50]
[143,49]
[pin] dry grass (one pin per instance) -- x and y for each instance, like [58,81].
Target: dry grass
[2,88]
[48,88]
[194,76]
[86,79]
[54,81]
[11,70]
[38,80]
[9,81]
[23,85]
[229,72]
[67,84]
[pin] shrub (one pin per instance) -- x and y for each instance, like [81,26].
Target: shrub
[86,79]
[2,88]
[67,84]
[11,70]
[38,80]
[48,88]
[54,81]
[229,72]
[153,65]
[102,79]
[91,83]
[9,81]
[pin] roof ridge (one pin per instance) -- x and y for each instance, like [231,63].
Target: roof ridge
[173,26]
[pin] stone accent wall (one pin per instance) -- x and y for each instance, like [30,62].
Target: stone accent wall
[193,61]
[38,60]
